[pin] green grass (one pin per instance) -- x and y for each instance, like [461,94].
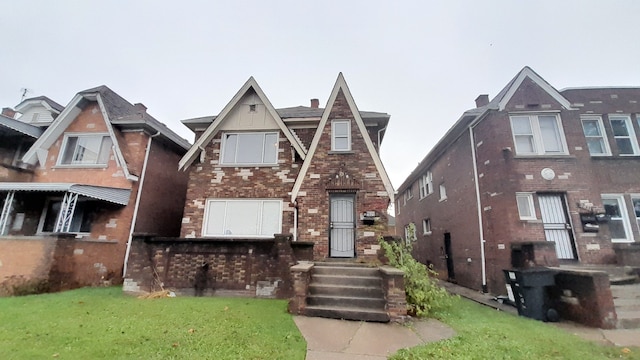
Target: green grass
[484,333]
[105,324]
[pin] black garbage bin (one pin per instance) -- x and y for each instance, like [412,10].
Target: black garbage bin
[529,288]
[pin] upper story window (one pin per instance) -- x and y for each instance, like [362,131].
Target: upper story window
[341,135]
[595,135]
[538,135]
[426,184]
[426,226]
[85,149]
[624,135]
[250,148]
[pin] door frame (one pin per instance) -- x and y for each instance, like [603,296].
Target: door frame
[333,195]
[565,209]
[448,256]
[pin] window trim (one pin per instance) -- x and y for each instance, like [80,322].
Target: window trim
[631,136]
[531,205]
[205,221]
[635,196]
[603,134]
[264,134]
[443,192]
[334,136]
[65,144]
[620,198]
[425,184]
[426,224]
[536,134]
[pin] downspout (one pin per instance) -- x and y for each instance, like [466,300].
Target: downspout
[137,205]
[295,221]
[483,260]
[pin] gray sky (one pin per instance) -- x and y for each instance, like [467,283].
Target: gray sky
[423,62]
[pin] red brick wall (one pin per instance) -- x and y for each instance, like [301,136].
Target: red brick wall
[313,199]
[208,179]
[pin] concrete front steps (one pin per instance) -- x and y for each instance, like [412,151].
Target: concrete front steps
[346,290]
[626,299]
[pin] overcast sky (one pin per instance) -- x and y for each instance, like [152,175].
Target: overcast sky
[423,62]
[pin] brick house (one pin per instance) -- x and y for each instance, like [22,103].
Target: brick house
[534,164]
[255,171]
[96,176]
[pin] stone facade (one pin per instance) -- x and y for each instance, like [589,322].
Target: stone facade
[480,167]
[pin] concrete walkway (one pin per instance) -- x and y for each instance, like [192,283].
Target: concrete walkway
[329,339]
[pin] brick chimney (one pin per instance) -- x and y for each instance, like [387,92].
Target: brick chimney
[315,103]
[482,100]
[9,112]
[140,107]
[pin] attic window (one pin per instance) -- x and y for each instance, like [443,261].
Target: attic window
[90,149]
[252,108]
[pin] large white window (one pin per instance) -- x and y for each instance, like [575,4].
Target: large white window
[538,135]
[250,148]
[526,209]
[426,184]
[242,218]
[85,149]
[623,133]
[616,210]
[595,135]
[341,135]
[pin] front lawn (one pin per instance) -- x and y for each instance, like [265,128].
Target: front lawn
[485,333]
[102,323]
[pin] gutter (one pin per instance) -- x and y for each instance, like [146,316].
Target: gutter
[137,205]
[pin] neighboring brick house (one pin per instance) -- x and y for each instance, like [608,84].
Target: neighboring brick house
[102,171]
[255,171]
[532,164]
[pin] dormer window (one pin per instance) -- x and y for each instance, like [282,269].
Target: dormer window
[341,135]
[85,149]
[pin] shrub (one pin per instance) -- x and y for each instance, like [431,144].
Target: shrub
[20,286]
[424,295]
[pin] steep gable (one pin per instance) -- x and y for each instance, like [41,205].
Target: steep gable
[340,106]
[249,109]
[528,88]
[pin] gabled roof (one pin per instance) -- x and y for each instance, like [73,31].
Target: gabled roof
[115,111]
[19,126]
[502,99]
[44,101]
[471,117]
[213,128]
[341,84]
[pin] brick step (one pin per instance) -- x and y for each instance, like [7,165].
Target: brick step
[375,303]
[626,291]
[337,312]
[346,280]
[627,304]
[346,290]
[346,270]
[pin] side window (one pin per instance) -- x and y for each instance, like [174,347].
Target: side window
[85,150]
[426,227]
[426,184]
[341,135]
[443,192]
[526,209]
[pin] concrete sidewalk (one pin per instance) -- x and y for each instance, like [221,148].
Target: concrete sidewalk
[329,339]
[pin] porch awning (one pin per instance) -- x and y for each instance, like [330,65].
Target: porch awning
[110,194]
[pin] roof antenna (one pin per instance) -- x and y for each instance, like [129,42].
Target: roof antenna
[24,92]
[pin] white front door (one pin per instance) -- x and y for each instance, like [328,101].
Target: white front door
[556,225]
[342,226]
